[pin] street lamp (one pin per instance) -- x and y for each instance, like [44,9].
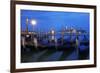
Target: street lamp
[33,22]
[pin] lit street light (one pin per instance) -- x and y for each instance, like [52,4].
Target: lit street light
[33,22]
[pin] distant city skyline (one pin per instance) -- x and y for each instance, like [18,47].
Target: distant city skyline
[47,20]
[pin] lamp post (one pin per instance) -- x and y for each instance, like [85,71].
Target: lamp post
[34,22]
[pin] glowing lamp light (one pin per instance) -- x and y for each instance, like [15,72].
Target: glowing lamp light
[33,22]
[52,31]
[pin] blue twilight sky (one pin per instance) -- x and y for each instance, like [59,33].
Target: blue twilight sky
[55,20]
